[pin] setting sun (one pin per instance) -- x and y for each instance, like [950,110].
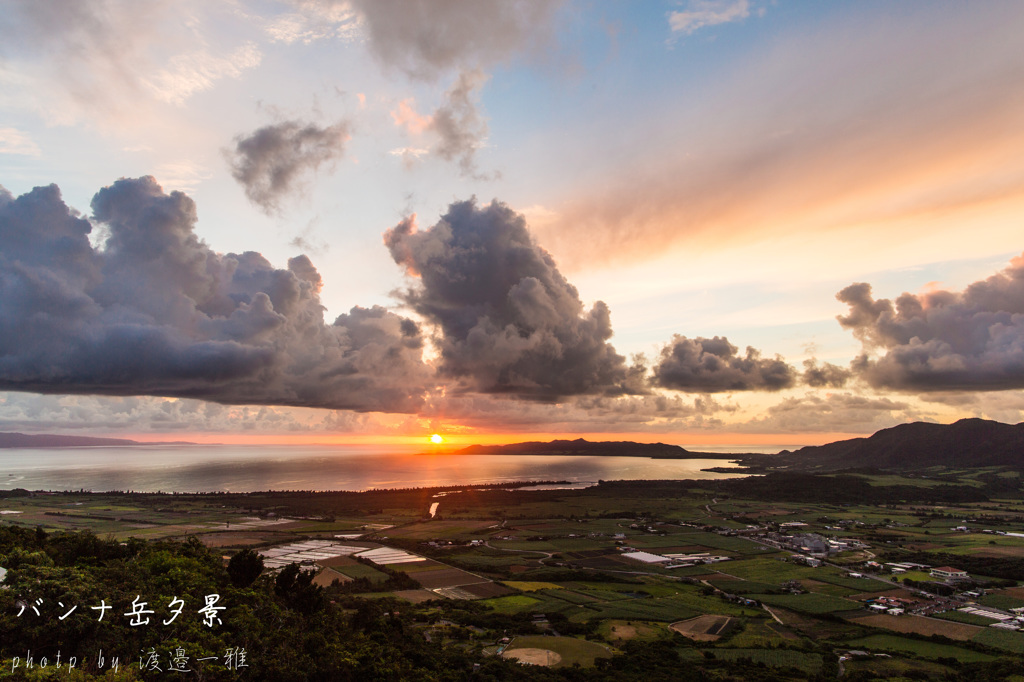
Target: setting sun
[436,439]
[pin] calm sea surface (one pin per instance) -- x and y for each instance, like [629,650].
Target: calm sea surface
[248,468]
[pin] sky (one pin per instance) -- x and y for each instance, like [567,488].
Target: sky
[369,221]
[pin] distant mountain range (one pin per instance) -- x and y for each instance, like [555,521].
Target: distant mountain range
[22,440]
[963,444]
[585,447]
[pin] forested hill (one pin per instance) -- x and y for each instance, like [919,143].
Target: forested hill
[966,443]
[585,447]
[22,440]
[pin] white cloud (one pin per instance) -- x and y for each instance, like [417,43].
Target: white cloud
[13,141]
[190,73]
[181,175]
[701,13]
[313,22]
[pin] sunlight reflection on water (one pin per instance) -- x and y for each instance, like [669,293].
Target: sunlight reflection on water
[248,468]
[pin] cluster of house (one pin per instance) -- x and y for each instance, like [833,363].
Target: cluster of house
[891,605]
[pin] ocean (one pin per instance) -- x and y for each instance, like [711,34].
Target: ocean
[250,468]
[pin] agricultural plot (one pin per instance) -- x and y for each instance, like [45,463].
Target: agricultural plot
[309,550]
[1001,639]
[878,667]
[741,586]
[665,610]
[569,596]
[713,541]
[623,631]
[328,575]
[815,628]
[962,617]
[384,556]
[826,588]
[357,570]
[917,647]
[761,634]
[485,590]
[446,577]
[531,586]
[707,628]
[808,603]
[917,625]
[485,559]
[810,664]
[460,529]
[415,596]
[1001,601]
[513,603]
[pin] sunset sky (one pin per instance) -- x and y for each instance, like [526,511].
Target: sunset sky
[696,222]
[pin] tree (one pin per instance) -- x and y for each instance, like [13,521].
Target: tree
[245,567]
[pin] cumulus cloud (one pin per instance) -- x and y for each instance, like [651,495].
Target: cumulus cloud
[651,413]
[701,365]
[701,13]
[156,312]
[508,321]
[1002,406]
[942,340]
[424,38]
[838,413]
[825,374]
[272,162]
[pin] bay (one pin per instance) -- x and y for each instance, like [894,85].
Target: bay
[251,468]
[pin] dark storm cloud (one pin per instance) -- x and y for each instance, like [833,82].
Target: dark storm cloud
[714,365]
[426,37]
[273,161]
[156,312]
[825,374]
[942,340]
[508,320]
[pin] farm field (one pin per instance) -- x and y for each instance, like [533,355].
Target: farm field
[931,650]
[702,628]
[542,580]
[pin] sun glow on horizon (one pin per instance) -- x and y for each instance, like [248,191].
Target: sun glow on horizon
[436,439]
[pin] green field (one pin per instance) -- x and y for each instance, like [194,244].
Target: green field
[362,571]
[1001,601]
[808,603]
[777,658]
[924,649]
[514,603]
[961,617]
[1001,639]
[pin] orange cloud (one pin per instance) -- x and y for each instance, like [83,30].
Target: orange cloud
[406,117]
